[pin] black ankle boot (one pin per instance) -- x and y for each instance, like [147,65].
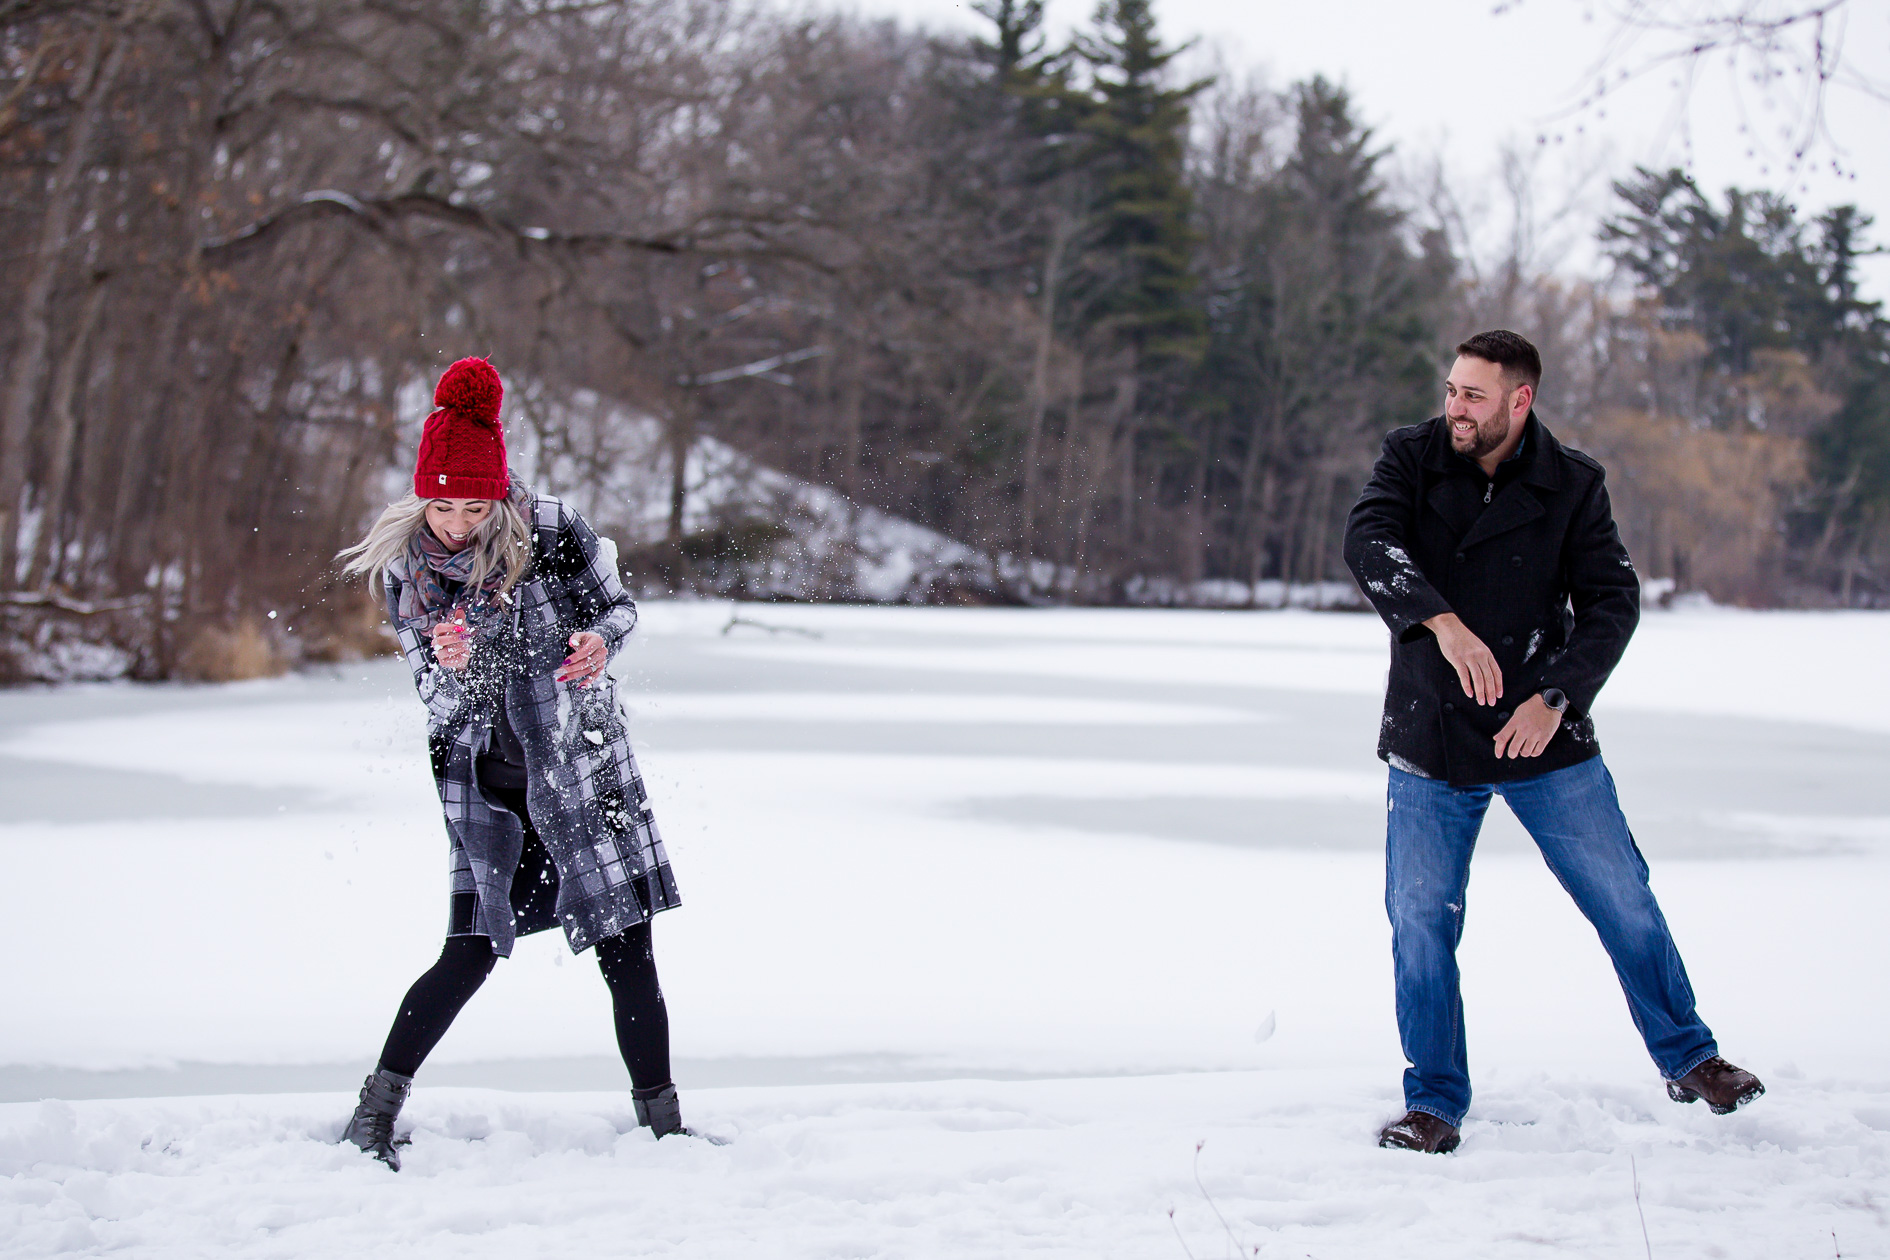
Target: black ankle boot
[372,1126]
[658,1110]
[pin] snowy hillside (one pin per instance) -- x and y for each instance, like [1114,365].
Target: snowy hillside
[615,465]
[994,922]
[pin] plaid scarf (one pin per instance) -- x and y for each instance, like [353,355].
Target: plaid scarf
[430,566]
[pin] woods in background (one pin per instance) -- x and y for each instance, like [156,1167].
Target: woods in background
[1124,332]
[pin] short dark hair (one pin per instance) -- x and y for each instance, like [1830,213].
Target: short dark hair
[1510,351]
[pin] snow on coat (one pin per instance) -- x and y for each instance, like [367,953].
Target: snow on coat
[1533,566]
[583,793]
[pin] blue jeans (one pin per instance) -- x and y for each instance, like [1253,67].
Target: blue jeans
[1575,819]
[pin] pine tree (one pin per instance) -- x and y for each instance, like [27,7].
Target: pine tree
[1019,43]
[1741,276]
[1324,326]
[1028,90]
[1851,452]
[1143,239]
[1759,286]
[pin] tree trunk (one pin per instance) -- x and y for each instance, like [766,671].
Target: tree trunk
[256,481]
[1195,519]
[35,302]
[59,473]
[1066,466]
[1122,430]
[682,436]
[136,455]
[1060,237]
[1254,518]
[1258,534]
[852,398]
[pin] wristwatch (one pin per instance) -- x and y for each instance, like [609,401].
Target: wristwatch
[1555,698]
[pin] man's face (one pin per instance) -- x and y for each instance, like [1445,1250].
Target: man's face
[1481,410]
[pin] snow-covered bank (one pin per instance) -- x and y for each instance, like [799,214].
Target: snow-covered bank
[977,1168]
[1141,846]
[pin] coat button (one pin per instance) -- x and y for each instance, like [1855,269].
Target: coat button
[1508,639]
[1515,562]
[1502,715]
[1449,707]
[1460,555]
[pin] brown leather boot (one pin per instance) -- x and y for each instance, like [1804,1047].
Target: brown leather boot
[1724,1087]
[1419,1131]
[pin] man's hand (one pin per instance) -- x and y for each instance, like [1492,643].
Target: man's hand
[1528,730]
[452,641]
[1475,664]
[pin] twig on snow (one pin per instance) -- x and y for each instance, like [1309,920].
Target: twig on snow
[1645,1240]
[1215,1207]
[734,621]
[1185,1249]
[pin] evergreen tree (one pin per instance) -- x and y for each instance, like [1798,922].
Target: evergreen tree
[1027,92]
[1851,452]
[1760,286]
[1018,45]
[1142,240]
[1324,328]
[1741,276]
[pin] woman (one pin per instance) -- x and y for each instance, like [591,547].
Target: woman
[508,614]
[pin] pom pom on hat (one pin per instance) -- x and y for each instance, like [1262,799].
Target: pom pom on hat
[462,447]
[472,388]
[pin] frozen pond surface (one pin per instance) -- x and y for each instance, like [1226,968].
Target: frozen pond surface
[1086,858]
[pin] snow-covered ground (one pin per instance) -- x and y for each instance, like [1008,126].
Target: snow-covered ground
[991,919]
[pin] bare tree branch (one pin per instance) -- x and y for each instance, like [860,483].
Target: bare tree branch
[1793,48]
[764,368]
[736,237]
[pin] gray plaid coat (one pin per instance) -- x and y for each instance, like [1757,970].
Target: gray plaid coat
[583,794]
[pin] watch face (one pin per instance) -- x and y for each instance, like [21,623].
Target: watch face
[1554,698]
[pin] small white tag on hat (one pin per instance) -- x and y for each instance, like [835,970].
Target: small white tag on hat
[442,478]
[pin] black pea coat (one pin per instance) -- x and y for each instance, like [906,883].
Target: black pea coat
[1532,564]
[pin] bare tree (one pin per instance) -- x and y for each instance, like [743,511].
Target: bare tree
[1783,59]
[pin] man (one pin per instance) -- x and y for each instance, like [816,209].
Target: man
[1490,550]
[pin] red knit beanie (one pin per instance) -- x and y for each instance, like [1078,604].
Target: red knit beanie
[462,448]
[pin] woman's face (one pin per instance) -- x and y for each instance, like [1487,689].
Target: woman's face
[452,520]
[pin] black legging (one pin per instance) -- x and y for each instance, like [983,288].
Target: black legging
[629,967]
[627,960]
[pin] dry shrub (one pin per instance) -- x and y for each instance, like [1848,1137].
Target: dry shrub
[1701,506]
[230,653]
[352,626]
[1788,392]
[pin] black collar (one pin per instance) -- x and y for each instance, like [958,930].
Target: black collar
[1536,455]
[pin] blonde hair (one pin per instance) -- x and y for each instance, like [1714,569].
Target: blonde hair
[501,541]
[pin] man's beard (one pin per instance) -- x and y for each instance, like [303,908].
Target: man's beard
[1487,437]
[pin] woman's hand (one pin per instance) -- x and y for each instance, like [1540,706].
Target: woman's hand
[452,641]
[587,660]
